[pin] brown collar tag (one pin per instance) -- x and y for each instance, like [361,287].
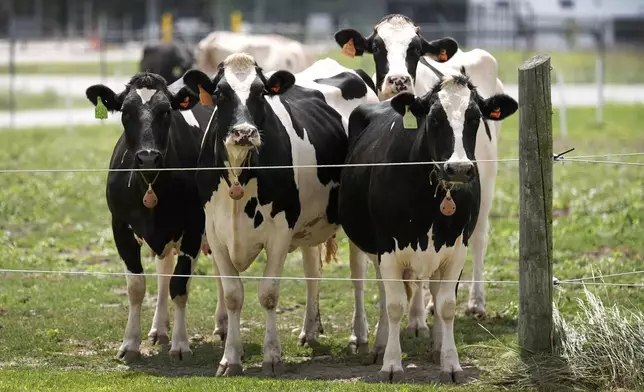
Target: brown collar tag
[236,190]
[448,207]
[150,199]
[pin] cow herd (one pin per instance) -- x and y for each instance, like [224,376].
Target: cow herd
[427,102]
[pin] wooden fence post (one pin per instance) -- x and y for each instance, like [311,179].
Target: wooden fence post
[535,227]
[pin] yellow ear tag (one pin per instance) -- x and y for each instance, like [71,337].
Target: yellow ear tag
[204,97]
[443,55]
[100,111]
[409,120]
[349,49]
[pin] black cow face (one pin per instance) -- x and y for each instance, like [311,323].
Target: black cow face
[397,45]
[145,106]
[452,113]
[239,90]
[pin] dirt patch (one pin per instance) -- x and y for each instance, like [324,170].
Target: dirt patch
[416,371]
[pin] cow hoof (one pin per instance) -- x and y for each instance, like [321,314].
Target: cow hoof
[221,332]
[436,357]
[456,377]
[273,369]
[359,348]
[417,331]
[377,355]
[156,338]
[476,309]
[181,354]
[230,370]
[390,375]
[128,356]
[311,341]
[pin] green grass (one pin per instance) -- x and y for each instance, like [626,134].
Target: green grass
[48,99]
[577,67]
[62,332]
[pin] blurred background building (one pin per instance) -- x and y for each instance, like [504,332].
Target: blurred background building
[551,24]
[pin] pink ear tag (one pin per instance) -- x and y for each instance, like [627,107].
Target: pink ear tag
[448,207]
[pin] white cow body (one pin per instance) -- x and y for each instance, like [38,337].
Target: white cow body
[272,52]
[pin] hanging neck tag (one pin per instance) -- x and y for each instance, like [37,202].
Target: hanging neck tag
[409,120]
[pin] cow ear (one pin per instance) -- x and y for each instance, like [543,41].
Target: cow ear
[416,105]
[184,99]
[498,107]
[441,49]
[352,42]
[279,82]
[110,99]
[194,78]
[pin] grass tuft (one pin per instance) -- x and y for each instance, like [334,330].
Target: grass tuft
[601,348]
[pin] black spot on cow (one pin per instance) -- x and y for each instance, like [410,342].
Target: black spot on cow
[259,218]
[251,205]
[350,85]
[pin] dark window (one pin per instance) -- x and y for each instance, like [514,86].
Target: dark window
[567,3]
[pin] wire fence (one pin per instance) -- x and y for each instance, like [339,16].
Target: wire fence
[584,281]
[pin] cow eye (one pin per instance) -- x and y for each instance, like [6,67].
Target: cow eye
[418,53]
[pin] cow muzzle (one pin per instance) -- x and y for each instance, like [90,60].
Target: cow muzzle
[458,172]
[148,159]
[244,135]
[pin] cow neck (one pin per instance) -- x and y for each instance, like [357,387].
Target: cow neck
[150,199]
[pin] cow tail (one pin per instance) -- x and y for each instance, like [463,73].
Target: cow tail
[409,289]
[331,246]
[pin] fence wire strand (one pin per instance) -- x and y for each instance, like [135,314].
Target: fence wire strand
[579,158]
[578,281]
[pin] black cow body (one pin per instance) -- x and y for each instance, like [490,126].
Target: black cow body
[396,214]
[161,131]
[168,60]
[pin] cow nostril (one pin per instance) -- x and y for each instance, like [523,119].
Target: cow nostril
[157,158]
[449,170]
[470,171]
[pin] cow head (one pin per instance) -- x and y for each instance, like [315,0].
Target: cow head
[239,90]
[450,116]
[146,106]
[168,60]
[397,46]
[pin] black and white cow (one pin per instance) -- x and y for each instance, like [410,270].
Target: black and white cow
[168,60]
[272,119]
[160,208]
[402,216]
[401,54]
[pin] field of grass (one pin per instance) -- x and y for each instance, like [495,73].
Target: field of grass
[82,68]
[577,67]
[62,332]
[48,99]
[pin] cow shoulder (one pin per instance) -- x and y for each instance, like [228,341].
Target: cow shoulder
[363,115]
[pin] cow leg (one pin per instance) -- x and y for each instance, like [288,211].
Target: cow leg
[445,298]
[478,243]
[276,251]
[359,341]
[437,338]
[233,290]
[312,327]
[382,329]
[130,251]
[396,300]
[161,323]
[221,317]
[417,321]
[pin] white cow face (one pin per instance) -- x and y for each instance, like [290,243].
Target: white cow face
[397,46]
[450,117]
[239,90]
